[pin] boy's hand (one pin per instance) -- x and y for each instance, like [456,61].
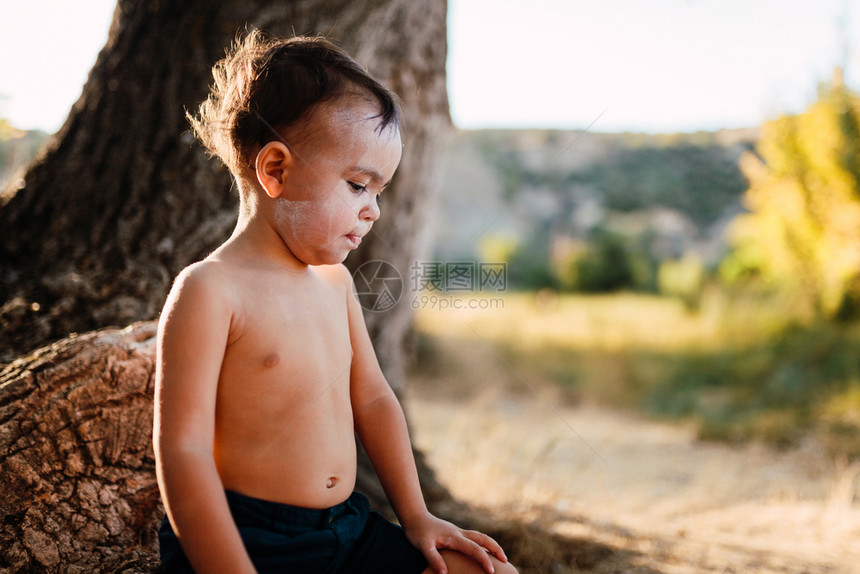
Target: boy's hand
[430,534]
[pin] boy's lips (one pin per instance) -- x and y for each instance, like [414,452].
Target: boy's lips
[354,239]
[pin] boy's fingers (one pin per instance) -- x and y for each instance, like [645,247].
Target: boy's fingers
[435,560]
[475,551]
[487,542]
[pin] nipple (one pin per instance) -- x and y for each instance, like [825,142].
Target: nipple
[271,360]
[332,480]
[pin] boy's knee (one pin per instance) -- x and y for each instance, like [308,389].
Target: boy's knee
[461,564]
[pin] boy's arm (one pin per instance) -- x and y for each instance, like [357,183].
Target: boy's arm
[192,336]
[381,426]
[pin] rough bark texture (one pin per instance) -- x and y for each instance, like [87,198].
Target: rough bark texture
[77,487]
[121,198]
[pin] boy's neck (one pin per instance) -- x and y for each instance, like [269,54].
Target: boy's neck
[256,239]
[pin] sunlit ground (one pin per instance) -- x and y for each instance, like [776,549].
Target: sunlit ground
[518,438]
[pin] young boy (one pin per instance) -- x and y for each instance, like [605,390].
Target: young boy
[265,369]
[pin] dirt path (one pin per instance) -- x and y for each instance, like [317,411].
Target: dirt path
[512,446]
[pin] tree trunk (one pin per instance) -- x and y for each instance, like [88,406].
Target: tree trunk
[116,204]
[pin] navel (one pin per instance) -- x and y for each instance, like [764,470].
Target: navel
[271,360]
[332,480]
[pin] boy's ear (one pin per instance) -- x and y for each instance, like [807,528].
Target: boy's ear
[273,165]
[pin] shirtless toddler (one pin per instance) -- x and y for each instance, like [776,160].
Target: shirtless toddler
[265,370]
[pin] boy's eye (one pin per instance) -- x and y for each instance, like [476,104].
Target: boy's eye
[357,187]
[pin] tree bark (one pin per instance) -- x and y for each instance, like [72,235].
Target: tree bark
[77,487]
[114,206]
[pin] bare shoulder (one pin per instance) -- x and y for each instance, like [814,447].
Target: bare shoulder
[204,278]
[206,272]
[203,290]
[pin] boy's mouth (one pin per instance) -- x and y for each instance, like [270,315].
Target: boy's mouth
[354,239]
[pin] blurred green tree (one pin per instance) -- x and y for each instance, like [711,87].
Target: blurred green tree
[802,234]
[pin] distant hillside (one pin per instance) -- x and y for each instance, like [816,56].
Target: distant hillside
[542,185]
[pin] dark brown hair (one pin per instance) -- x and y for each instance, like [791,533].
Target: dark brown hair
[265,85]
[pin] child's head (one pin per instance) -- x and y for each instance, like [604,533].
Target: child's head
[266,87]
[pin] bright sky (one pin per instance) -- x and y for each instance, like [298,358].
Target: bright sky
[655,65]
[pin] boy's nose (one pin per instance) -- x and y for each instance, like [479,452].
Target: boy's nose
[370,211]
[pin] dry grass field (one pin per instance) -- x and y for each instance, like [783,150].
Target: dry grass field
[506,438]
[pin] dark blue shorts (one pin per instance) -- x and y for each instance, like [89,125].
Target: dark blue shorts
[284,539]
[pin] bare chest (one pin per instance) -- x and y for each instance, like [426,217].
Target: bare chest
[289,347]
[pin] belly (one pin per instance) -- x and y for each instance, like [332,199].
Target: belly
[299,452]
